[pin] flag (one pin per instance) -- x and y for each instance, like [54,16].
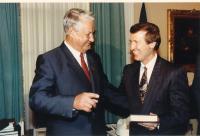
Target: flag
[143,15]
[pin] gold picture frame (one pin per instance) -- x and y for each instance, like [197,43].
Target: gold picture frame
[183,30]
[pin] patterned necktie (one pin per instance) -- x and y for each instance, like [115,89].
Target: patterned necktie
[84,66]
[143,85]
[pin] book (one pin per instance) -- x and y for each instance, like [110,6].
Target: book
[9,128]
[9,133]
[5,122]
[143,118]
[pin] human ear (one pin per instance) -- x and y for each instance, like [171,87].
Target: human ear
[152,45]
[73,31]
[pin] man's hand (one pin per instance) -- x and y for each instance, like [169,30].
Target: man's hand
[85,101]
[150,126]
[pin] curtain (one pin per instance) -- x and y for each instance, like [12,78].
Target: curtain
[110,42]
[42,30]
[129,21]
[11,98]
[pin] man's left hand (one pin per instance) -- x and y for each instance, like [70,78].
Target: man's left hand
[150,126]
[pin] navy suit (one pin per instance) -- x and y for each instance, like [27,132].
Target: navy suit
[58,79]
[167,97]
[196,91]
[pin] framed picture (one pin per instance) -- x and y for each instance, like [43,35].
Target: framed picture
[183,37]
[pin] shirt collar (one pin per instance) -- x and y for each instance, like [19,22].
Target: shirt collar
[151,62]
[76,53]
[72,50]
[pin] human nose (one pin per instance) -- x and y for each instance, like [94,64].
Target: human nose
[132,46]
[91,38]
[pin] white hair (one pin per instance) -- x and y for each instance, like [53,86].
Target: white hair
[74,18]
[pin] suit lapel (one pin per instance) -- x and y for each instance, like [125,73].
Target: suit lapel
[136,80]
[153,87]
[73,64]
[91,65]
[133,81]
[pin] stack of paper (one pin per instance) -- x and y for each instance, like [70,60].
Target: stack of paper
[143,118]
[8,129]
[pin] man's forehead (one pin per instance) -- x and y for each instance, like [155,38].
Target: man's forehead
[88,26]
[141,32]
[138,34]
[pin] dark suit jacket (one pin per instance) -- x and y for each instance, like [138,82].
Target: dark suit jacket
[167,97]
[58,79]
[196,91]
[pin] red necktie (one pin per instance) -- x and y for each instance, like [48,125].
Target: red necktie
[84,66]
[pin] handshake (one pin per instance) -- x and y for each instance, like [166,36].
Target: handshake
[86,101]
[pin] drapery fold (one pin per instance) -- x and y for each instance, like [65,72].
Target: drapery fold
[42,30]
[11,87]
[110,41]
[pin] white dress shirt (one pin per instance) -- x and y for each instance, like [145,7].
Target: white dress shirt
[76,54]
[149,67]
